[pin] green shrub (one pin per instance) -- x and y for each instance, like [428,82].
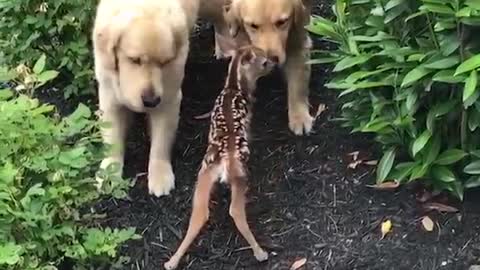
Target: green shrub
[47,176]
[406,71]
[60,29]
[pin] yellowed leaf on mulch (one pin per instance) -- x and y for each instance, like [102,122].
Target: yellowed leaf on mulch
[298,263]
[389,185]
[386,227]
[440,207]
[427,223]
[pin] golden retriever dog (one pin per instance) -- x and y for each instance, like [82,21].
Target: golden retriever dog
[277,27]
[140,51]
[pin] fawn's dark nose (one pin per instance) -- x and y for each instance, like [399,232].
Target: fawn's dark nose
[149,99]
[275,59]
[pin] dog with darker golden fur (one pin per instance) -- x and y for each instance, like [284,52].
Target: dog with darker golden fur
[277,27]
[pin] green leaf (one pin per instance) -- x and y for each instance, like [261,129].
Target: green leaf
[322,60]
[449,44]
[442,9]
[443,174]
[473,168]
[40,64]
[468,65]
[5,94]
[414,15]
[464,12]
[444,63]
[473,4]
[47,76]
[450,156]
[402,171]
[414,75]
[420,142]
[393,3]
[411,100]
[447,76]
[418,172]
[10,254]
[8,172]
[385,165]
[473,119]
[475,153]
[351,61]
[393,14]
[433,149]
[470,85]
[473,182]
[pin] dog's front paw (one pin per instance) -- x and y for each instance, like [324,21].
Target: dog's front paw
[300,121]
[260,254]
[161,179]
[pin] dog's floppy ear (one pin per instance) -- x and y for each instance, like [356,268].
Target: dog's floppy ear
[107,37]
[302,10]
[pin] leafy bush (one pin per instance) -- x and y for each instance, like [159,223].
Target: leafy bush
[28,80]
[406,71]
[60,29]
[47,176]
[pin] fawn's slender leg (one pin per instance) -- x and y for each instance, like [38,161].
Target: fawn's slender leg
[206,179]
[237,212]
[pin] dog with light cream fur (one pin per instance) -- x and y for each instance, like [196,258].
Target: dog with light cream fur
[277,27]
[140,51]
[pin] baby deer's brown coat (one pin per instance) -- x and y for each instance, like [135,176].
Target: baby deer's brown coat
[227,153]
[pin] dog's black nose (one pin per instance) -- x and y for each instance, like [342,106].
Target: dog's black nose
[150,100]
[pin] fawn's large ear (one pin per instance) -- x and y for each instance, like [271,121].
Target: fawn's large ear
[248,57]
[231,14]
[226,44]
[106,38]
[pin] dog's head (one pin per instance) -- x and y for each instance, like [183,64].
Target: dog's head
[147,56]
[267,23]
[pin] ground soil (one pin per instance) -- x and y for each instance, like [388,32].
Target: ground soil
[303,200]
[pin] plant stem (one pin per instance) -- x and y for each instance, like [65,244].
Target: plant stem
[463,124]
[432,32]
[463,130]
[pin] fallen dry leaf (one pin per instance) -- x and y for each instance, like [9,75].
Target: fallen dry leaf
[140,175]
[385,185]
[386,228]
[353,165]
[354,155]
[298,263]
[423,196]
[202,116]
[440,207]
[321,108]
[427,223]
[371,162]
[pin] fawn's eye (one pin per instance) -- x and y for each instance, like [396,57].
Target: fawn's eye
[282,22]
[135,60]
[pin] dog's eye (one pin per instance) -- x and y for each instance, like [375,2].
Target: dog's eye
[254,26]
[281,22]
[163,63]
[136,60]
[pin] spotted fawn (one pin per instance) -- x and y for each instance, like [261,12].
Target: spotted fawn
[227,152]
